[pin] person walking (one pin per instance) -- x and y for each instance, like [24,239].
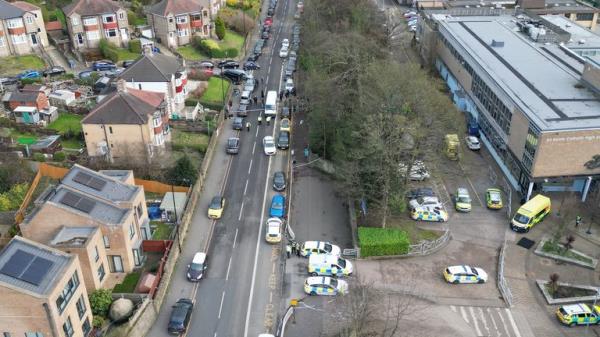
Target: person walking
[259,119]
[281,95]
[577,221]
[288,251]
[248,125]
[293,248]
[255,99]
[262,93]
[268,120]
[262,80]
[297,249]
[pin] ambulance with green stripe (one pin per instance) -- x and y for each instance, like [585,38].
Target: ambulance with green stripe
[328,265]
[578,314]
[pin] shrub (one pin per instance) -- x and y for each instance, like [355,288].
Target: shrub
[135,46]
[98,321]
[231,52]
[100,301]
[198,75]
[233,3]
[39,157]
[183,173]
[220,28]
[108,50]
[59,156]
[11,200]
[382,241]
[208,47]
[237,20]
[191,102]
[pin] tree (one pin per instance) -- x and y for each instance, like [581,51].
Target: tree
[183,173]
[553,284]
[569,242]
[220,28]
[100,301]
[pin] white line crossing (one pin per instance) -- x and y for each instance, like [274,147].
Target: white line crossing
[472,312]
[488,321]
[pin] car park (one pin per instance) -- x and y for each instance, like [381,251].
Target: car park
[238,123]
[429,214]
[103,66]
[473,143]
[215,209]
[283,52]
[195,270]
[462,200]
[29,74]
[289,85]
[493,198]
[418,171]
[277,208]
[431,202]
[251,65]
[420,192]
[309,248]
[328,265]
[269,146]
[324,285]
[180,316]
[465,274]
[578,314]
[273,233]
[283,140]
[229,64]
[279,181]
[285,125]
[233,145]
[54,71]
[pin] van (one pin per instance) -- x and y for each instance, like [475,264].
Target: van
[328,265]
[245,98]
[236,76]
[530,213]
[271,104]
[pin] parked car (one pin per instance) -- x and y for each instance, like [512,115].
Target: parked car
[285,112]
[85,74]
[420,192]
[429,214]
[180,316]
[238,123]
[325,285]
[269,21]
[103,65]
[462,200]
[234,75]
[195,270]
[233,145]
[279,181]
[409,14]
[269,146]
[277,208]
[8,80]
[253,57]
[473,143]
[128,63]
[54,71]
[425,202]
[29,74]
[242,110]
[274,227]
[283,140]
[229,64]
[216,207]
[319,247]
[265,35]
[289,85]
[418,171]
[579,314]
[283,52]
[251,65]
[465,274]
[493,198]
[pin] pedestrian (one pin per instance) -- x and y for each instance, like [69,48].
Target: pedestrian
[255,99]
[259,119]
[297,249]
[577,221]
[226,112]
[294,92]
[230,104]
[268,120]
[306,152]
[288,251]
[287,94]
[281,95]
[248,126]
[262,93]
[293,248]
[262,80]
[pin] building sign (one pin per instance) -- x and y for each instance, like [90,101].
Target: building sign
[572,139]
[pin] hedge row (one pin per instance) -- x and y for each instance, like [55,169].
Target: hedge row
[212,49]
[382,241]
[108,50]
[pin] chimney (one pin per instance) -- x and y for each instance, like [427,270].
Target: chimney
[121,85]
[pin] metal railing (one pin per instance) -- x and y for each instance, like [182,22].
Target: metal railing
[502,283]
[428,247]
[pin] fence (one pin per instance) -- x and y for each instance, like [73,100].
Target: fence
[156,246]
[428,247]
[161,267]
[502,283]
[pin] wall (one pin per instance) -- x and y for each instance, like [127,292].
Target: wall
[160,27]
[574,148]
[458,71]
[123,140]
[519,126]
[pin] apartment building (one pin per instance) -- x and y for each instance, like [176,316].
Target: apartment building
[104,200]
[22,28]
[89,21]
[128,123]
[41,291]
[175,22]
[160,73]
[532,85]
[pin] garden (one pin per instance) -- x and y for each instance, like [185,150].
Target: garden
[202,49]
[13,65]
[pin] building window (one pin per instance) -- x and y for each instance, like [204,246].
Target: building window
[90,21]
[67,292]
[81,308]
[19,39]
[92,35]
[14,23]
[131,231]
[108,18]
[136,257]
[584,17]
[6,334]
[68,327]
[111,32]
[106,240]
[29,19]
[85,327]
[121,16]
[110,129]
[182,32]
[74,21]
[115,263]
[181,19]
[27,334]
[139,210]
[96,254]
[101,272]
[170,20]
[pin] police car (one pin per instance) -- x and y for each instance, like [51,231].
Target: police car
[465,274]
[578,314]
[319,247]
[323,285]
[328,265]
[429,214]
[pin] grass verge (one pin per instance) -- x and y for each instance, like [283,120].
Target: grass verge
[128,284]
[12,65]
[162,231]
[552,247]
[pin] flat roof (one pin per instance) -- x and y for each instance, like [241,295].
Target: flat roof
[543,85]
[99,185]
[96,209]
[73,236]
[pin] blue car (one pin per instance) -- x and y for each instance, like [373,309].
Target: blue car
[103,65]
[29,74]
[277,206]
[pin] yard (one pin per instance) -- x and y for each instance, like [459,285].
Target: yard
[67,122]
[231,40]
[128,284]
[125,54]
[191,140]
[190,53]
[12,65]
[214,91]
[162,231]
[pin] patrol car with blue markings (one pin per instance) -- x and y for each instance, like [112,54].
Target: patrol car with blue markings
[465,274]
[328,265]
[319,247]
[429,214]
[324,285]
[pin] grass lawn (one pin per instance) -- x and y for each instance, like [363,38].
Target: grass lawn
[66,122]
[214,91]
[12,65]
[162,231]
[415,234]
[135,20]
[125,54]
[231,40]
[129,283]
[190,53]
[192,140]
[552,247]
[72,143]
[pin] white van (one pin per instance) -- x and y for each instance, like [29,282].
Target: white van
[271,104]
[328,265]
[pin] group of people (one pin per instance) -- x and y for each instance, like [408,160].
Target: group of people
[292,248]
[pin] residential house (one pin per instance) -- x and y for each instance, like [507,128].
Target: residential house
[160,73]
[86,198]
[127,123]
[175,22]
[22,101]
[89,21]
[41,292]
[22,28]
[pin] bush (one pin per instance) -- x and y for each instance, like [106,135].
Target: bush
[209,47]
[198,75]
[183,173]
[135,46]
[108,50]
[100,301]
[39,157]
[382,241]
[98,321]
[191,102]
[237,20]
[233,3]
[220,28]
[59,156]
[11,200]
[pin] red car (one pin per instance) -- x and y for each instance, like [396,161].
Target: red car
[268,21]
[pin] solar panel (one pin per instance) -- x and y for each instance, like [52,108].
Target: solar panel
[36,271]
[73,200]
[16,264]
[97,184]
[70,199]
[82,178]
[85,205]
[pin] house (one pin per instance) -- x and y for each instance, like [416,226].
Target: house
[42,292]
[579,12]
[89,21]
[175,22]
[22,28]
[160,73]
[86,198]
[128,122]
[62,97]
[31,97]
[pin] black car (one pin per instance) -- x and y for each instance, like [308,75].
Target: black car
[251,65]
[283,140]
[195,270]
[103,66]
[180,316]
[285,112]
[234,75]
[258,49]
[206,64]
[265,35]
[242,110]
[271,11]
[253,57]
[54,71]
[420,192]
[233,145]
[266,28]
[128,63]
[279,181]
[229,64]
[238,123]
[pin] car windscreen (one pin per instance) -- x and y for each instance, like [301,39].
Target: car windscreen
[464,199]
[328,248]
[232,142]
[342,263]
[474,271]
[520,218]
[215,203]
[279,179]
[333,282]
[197,266]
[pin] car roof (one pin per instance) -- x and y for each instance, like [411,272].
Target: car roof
[278,198]
[314,244]
[322,258]
[459,269]
[578,308]
[217,198]
[268,138]
[318,280]
[199,258]
[462,191]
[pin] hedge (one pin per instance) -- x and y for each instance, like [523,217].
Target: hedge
[135,46]
[382,241]
[212,48]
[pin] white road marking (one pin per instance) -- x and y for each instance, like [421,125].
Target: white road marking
[241,211]
[221,306]
[254,146]
[235,238]
[463,313]
[489,311]
[255,135]
[512,322]
[246,187]
[250,167]
[503,322]
[475,321]
[215,335]
[484,321]
[453,308]
[228,267]
[270,297]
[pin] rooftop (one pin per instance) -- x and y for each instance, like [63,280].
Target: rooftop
[120,175]
[99,185]
[91,7]
[125,107]
[544,85]
[73,236]
[80,203]
[9,10]
[152,67]
[177,7]
[31,267]
[24,96]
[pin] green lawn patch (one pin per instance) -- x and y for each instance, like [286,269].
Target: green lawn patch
[125,54]
[232,40]
[72,143]
[214,91]
[136,20]
[191,140]
[12,65]
[162,231]
[128,284]
[67,122]
[382,241]
[190,53]
[552,247]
